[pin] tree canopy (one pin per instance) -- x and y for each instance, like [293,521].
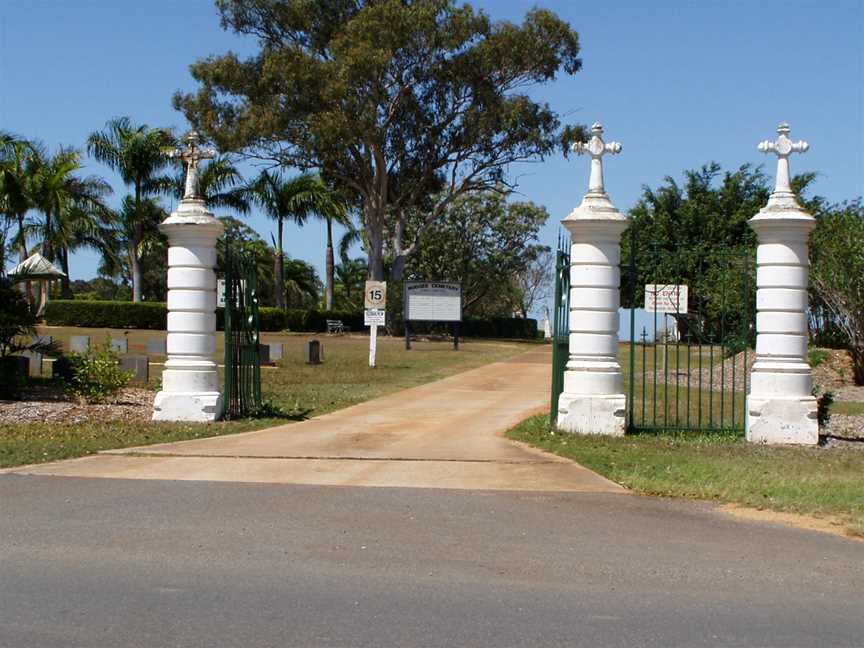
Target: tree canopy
[404,105]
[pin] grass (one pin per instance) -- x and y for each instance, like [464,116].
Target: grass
[343,379]
[820,482]
[850,408]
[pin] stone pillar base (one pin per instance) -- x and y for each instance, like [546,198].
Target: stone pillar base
[200,407]
[593,414]
[777,420]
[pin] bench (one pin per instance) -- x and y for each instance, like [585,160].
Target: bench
[336,327]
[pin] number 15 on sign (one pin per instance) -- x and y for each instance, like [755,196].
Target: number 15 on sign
[374,301]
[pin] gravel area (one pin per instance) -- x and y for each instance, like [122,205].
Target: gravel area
[48,404]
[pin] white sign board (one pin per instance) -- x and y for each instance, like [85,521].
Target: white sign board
[665,298]
[375,297]
[374,317]
[220,292]
[433,301]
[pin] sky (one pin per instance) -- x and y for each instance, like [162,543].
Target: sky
[678,83]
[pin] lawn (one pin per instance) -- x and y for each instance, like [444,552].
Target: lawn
[820,482]
[300,390]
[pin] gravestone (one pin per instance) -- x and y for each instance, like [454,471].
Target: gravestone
[139,366]
[156,346]
[276,349]
[79,343]
[120,345]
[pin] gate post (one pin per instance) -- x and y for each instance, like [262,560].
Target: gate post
[593,400]
[190,382]
[780,405]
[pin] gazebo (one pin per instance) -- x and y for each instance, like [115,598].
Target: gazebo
[37,268]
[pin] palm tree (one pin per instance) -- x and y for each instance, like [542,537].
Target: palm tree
[19,162]
[135,230]
[73,208]
[139,154]
[296,198]
[301,283]
[350,274]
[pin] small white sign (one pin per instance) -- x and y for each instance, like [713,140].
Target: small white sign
[375,297]
[666,298]
[374,317]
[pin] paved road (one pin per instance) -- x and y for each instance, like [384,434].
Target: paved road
[135,563]
[444,434]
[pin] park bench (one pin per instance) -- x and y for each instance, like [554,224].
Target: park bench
[336,327]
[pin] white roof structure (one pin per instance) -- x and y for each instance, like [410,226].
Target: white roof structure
[36,266]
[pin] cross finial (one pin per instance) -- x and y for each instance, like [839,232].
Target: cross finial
[192,155]
[783,147]
[596,148]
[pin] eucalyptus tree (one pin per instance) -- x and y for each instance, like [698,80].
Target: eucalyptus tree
[296,199]
[405,105]
[73,210]
[140,155]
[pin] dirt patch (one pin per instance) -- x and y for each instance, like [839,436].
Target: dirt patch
[823,525]
[49,404]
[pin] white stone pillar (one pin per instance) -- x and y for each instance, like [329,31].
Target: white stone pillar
[780,406]
[190,382]
[593,400]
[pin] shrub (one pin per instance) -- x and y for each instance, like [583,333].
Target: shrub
[96,374]
[107,314]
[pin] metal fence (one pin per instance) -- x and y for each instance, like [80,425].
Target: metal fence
[560,322]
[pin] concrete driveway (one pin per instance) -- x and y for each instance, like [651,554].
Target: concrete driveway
[444,434]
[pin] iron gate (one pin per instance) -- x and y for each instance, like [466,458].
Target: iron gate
[689,362]
[242,335]
[560,323]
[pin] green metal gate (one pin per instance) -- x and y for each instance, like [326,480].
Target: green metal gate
[689,362]
[242,335]
[560,322]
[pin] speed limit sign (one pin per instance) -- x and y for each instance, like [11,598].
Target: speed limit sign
[375,296]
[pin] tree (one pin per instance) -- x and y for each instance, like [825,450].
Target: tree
[19,161]
[302,285]
[404,105]
[534,282]
[73,209]
[483,242]
[296,198]
[837,274]
[139,154]
[350,275]
[247,241]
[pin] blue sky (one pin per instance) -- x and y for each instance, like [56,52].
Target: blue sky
[677,83]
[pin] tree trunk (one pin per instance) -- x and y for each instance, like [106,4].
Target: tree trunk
[65,287]
[328,291]
[22,253]
[280,267]
[135,267]
[398,267]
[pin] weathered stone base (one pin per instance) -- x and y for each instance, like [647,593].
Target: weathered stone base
[782,420]
[592,414]
[202,407]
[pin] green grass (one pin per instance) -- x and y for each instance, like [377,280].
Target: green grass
[817,356]
[826,483]
[302,390]
[850,408]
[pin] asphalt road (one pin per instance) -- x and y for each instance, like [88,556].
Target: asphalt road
[131,563]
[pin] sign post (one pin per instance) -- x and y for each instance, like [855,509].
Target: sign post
[374,301]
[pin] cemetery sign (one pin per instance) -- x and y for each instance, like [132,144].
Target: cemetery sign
[433,301]
[666,298]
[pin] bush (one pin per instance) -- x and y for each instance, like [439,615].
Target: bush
[96,374]
[107,314]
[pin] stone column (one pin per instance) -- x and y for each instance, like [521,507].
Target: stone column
[593,400]
[780,406]
[190,382]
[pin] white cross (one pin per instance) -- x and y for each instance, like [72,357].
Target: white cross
[783,147]
[192,155]
[596,148]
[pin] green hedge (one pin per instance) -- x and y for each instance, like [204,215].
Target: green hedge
[106,314]
[153,316]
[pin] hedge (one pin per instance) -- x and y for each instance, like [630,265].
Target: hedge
[153,316]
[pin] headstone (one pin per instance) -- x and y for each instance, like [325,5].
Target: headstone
[79,343]
[34,366]
[120,345]
[156,346]
[276,349]
[139,366]
[312,352]
[264,353]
